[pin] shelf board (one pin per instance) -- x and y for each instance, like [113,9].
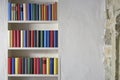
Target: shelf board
[31,75]
[40,22]
[32,48]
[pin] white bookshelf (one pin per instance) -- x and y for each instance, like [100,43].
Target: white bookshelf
[34,51]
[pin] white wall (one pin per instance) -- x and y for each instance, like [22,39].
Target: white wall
[81,28]
[82,25]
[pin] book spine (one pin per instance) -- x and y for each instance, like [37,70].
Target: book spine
[9,44]
[9,11]
[51,65]
[44,65]
[29,38]
[23,65]
[37,11]
[32,65]
[42,7]
[24,11]
[15,38]
[21,38]
[55,11]
[55,38]
[18,38]
[44,12]
[40,11]
[31,11]
[29,16]
[48,66]
[48,38]
[9,65]
[11,38]
[45,38]
[16,65]
[18,11]
[55,65]
[38,65]
[12,9]
[41,66]
[35,65]
[35,38]
[21,11]
[32,38]
[13,65]
[51,38]
[29,67]
[25,38]
[20,66]
[39,39]
[26,66]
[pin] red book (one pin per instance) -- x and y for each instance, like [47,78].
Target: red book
[51,38]
[18,14]
[15,38]
[44,65]
[38,65]
[35,65]
[20,66]
[18,38]
[9,65]
[32,38]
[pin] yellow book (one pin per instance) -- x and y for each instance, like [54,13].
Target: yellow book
[44,7]
[21,38]
[48,66]
[55,65]
[16,65]
[53,11]
[11,36]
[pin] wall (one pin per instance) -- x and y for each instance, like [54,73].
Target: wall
[81,26]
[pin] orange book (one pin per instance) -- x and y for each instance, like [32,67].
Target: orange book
[44,65]
[54,11]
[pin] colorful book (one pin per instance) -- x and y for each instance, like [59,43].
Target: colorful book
[22,38]
[48,38]
[23,65]
[29,66]
[38,65]
[35,65]
[13,65]
[40,12]
[51,38]
[55,66]
[9,11]
[55,38]
[18,14]
[35,38]
[29,40]
[47,65]
[20,66]
[44,65]
[15,38]
[24,11]
[32,65]
[29,11]
[41,65]
[26,65]
[51,65]
[16,65]
[25,38]
[21,12]
[32,38]
[39,38]
[9,65]
[11,38]
[45,38]
[37,11]
[50,12]
[18,38]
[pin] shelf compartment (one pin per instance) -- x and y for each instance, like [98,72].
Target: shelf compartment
[32,48]
[31,75]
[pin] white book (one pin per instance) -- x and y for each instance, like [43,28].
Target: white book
[24,12]
[21,39]
[9,38]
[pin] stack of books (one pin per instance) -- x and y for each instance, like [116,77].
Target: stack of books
[32,11]
[33,38]
[43,65]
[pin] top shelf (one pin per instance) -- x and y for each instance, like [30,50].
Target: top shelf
[32,22]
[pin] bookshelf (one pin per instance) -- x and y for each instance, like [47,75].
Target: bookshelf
[24,27]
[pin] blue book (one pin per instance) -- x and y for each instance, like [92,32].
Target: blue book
[21,11]
[28,38]
[25,38]
[29,11]
[37,11]
[45,38]
[9,11]
[35,38]
[51,65]
[50,12]
[13,65]
[48,38]
[55,38]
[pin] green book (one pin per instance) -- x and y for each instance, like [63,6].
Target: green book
[33,15]
[28,66]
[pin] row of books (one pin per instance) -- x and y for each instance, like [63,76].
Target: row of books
[42,65]
[32,11]
[33,38]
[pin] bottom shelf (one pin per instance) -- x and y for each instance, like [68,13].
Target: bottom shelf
[31,75]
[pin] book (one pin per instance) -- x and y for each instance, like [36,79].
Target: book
[39,39]
[41,65]
[29,40]
[45,38]
[54,11]
[26,65]
[23,65]
[15,38]
[44,65]
[37,12]
[42,13]
[51,65]
[18,13]
[9,65]
[35,65]
[40,10]
[29,11]
[35,38]
[13,65]
[18,38]
[25,38]
[55,38]
[38,65]
[24,11]
[29,66]
[47,65]
[9,44]
[32,38]
[32,65]
[55,66]
[48,38]
[50,12]
[51,38]
[11,38]
[16,65]
[21,12]
[12,13]
[9,10]
[20,66]
[22,38]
